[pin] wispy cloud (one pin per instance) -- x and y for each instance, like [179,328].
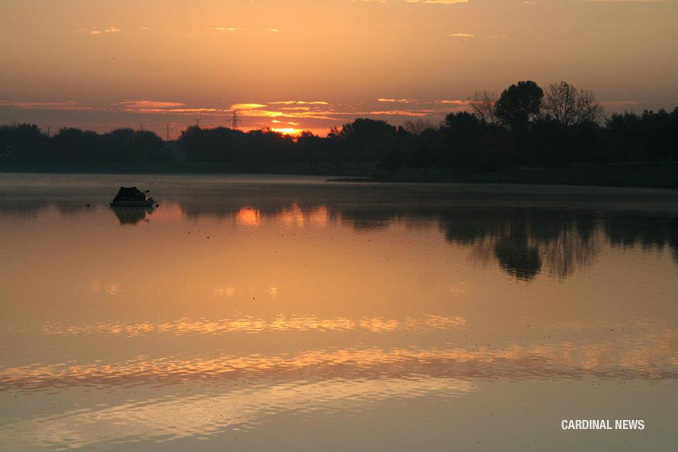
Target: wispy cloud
[298,102]
[247,106]
[428,2]
[227,29]
[438,2]
[65,106]
[471,35]
[142,104]
[398,101]
[236,29]
[453,102]
[98,31]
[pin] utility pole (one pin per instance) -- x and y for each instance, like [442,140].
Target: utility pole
[235,120]
[141,126]
[49,132]
[168,134]
[197,122]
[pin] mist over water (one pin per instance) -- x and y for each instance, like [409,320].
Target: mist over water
[278,313]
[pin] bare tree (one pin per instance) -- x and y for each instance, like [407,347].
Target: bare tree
[418,126]
[570,106]
[482,103]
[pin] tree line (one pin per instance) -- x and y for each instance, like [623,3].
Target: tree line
[525,126]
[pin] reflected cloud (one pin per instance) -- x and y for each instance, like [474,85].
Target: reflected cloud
[646,355]
[227,291]
[203,415]
[460,289]
[110,288]
[250,325]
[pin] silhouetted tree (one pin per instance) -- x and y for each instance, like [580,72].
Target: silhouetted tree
[73,144]
[367,140]
[418,126]
[23,142]
[483,104]
[623,137]
[570,106]
[474,145]
[519,104]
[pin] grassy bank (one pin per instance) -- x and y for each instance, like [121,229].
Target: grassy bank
[639,175]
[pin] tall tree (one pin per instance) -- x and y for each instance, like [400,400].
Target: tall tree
[519,104]
[483,105]
[570,106]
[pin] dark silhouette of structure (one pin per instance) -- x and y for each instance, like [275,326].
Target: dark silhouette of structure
[132,197]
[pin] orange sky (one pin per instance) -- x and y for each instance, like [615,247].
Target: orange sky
[314,64]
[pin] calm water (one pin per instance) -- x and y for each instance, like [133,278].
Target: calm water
[271,313]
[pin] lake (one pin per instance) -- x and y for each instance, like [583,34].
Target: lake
[261,313]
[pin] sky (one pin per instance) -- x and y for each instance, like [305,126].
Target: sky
[314,64]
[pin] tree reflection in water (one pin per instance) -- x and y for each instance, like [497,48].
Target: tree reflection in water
[527,231]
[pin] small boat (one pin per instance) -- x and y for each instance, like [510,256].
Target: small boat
[132,197]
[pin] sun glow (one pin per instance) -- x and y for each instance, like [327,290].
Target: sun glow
[287,130]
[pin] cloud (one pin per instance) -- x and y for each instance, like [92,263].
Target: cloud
[247,106]
[453,102]
[399,101]
[227,29]
[66,106]
[298,102]
[320,115]
[427,2]
[283,114]
[413,113]
[438,2]
[621,103]
[235,29]
[622,1]
[97,31]
[142,104]
[470,35]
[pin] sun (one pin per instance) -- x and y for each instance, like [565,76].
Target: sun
[287,130]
